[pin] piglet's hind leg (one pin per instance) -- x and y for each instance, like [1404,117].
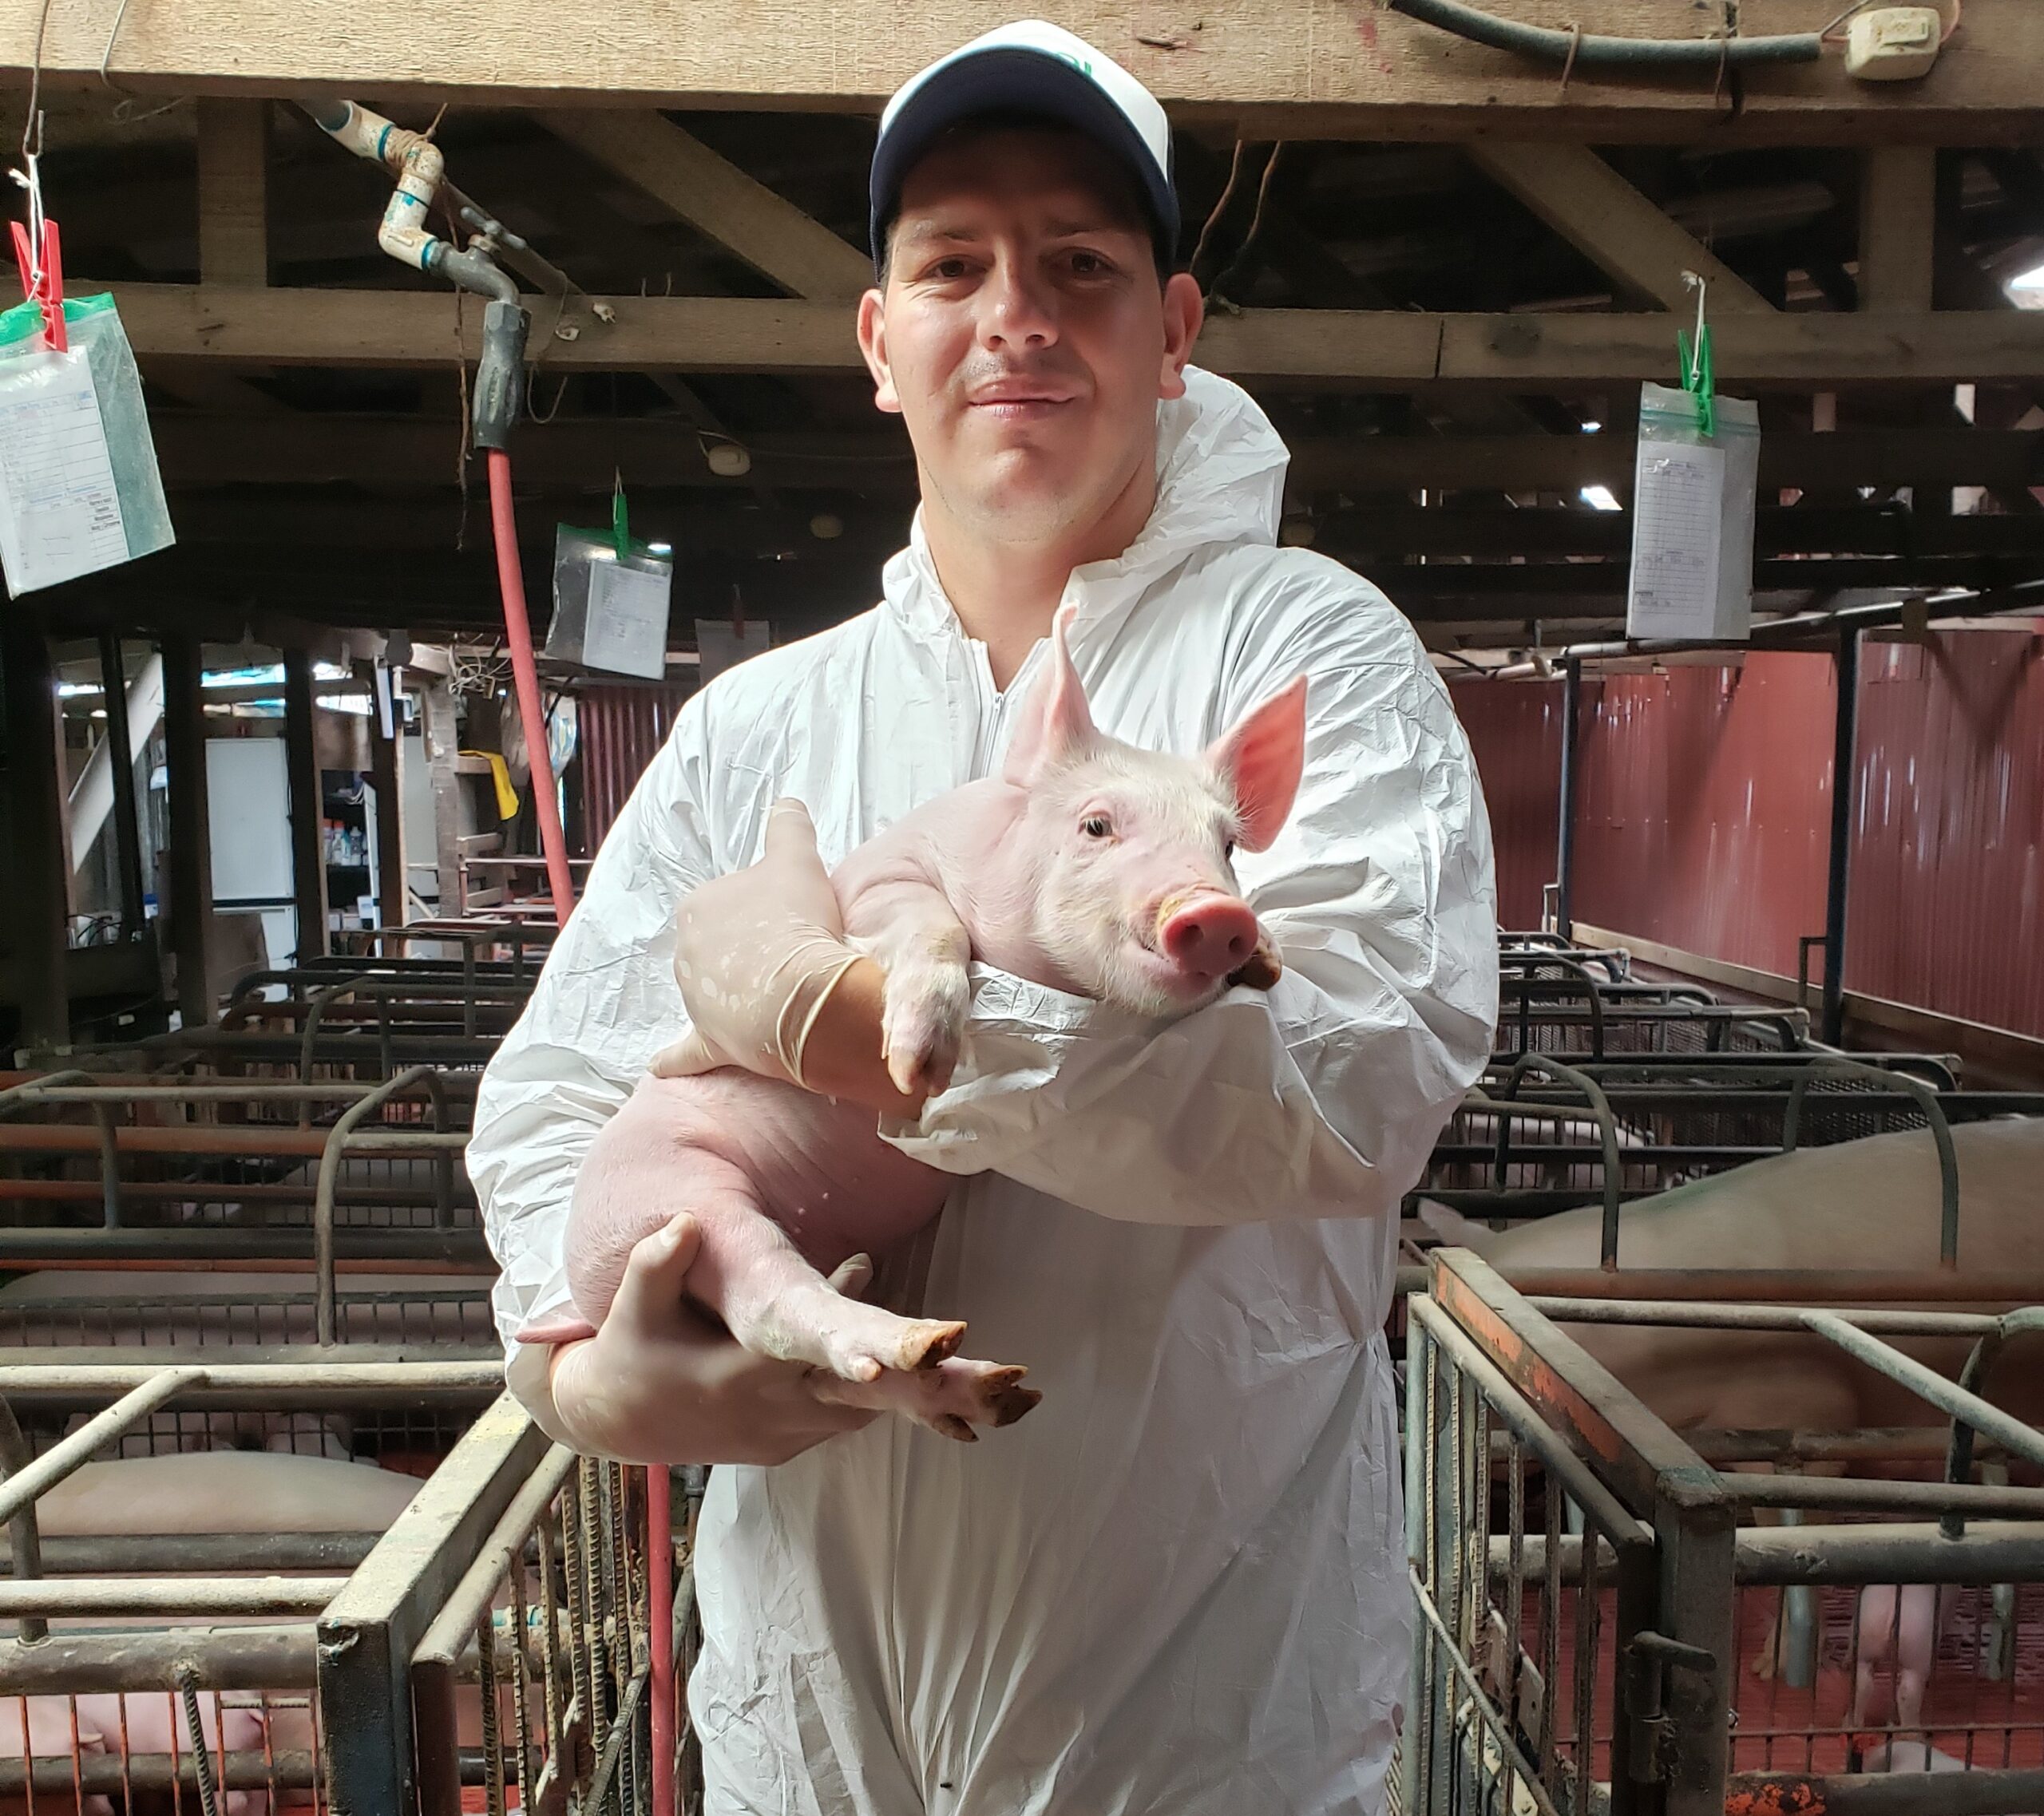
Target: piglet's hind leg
[775,1303]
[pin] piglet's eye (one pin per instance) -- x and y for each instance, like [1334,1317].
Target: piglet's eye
[1228,848]
[1096,826]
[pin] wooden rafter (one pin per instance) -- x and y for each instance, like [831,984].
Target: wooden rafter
[1619,229]
[198,453]
[1290,68]
[770,233]
[1365,349]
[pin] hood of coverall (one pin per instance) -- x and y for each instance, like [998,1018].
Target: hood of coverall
[1220,482]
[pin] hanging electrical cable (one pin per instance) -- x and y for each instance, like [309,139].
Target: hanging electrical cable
[1587,50]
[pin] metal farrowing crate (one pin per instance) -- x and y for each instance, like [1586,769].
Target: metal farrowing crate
[510,1641]
[1591,1609]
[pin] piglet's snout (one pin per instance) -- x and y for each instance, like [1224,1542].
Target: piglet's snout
[1210,935]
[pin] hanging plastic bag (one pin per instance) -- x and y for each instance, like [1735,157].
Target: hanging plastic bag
[79,488]
[610,610]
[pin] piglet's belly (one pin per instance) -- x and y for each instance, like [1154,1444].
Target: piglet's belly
[727,1148]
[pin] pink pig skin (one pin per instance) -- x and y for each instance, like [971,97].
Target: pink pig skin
[1088,866]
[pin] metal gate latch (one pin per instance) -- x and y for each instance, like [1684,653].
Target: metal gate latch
[1644,1666]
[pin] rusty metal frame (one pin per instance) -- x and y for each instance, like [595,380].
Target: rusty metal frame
[368,1633]
[1702,1558]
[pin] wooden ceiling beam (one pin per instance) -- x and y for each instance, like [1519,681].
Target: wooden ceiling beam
[1360,349]
[1619,230]
[579,454]
[769,232]
[1286,68]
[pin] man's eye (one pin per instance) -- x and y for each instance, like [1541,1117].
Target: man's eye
[1095,826]
[1088,264]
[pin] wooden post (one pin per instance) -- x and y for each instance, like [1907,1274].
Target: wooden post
[190,829]
[442,750]
[233,191]
[308,846]
[40,857]
[1898,197]
[386,777]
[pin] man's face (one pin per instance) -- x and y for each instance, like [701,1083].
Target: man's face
[1023,333]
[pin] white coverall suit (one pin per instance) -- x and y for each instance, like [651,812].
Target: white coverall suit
[1177,1587]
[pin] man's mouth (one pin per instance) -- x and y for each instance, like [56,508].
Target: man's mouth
[1019,401]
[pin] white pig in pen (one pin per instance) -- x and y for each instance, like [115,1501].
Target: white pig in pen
[216,1493]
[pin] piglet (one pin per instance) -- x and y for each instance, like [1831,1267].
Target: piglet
[1088,865]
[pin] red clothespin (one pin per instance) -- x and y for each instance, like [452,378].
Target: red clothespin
[42,279]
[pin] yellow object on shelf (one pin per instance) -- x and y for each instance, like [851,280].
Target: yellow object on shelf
[507,795]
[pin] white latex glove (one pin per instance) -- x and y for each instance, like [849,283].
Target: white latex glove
[756,954]
[662,1381]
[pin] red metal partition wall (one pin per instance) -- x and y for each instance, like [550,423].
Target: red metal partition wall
[620,726]
[1515,730]
[1704,802]
[1947,892]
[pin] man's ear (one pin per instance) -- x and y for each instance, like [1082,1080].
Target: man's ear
[1185,311]
[873,347]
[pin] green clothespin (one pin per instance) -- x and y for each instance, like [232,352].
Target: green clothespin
[1699,376]
[620,533]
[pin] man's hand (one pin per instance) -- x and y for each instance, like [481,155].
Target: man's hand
[661,1383]
[770,984]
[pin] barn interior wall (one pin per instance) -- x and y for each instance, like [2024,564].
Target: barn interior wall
[1705,806]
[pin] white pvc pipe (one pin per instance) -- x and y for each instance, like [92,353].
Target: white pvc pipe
[91,795]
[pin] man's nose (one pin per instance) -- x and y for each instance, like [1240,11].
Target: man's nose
[1018,310]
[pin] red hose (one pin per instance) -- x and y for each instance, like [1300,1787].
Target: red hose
[532,714]
[659,1554]
[560,883]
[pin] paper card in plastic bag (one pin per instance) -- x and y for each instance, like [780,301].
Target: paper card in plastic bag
[1693,495]
[610,610]
[79,487]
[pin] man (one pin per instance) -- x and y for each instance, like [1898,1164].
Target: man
[1176,1588]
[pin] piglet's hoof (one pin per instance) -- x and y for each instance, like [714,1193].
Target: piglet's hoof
[1262,970]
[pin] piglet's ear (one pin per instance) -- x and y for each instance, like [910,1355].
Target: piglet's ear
[1261,762]
[1056,728]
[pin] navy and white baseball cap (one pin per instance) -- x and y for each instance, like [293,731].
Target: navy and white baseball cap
[1029,67]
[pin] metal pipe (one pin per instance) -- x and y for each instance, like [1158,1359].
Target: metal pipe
[469,1602]
[170,1597]
[201,1553]
[1677,1314]
[1972,1378]
[1565,834]
[1592,50]
[2017,1437]
[1857,1493]
[464,1249]
[1794,632]
[1992,1551]
[333,1374]
[120,759]
[63,1458]
[1837,877]
[268,1657]
[111,1775]
[25,1539]
[343,1135]
[1979,1790]
[1793,1286]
